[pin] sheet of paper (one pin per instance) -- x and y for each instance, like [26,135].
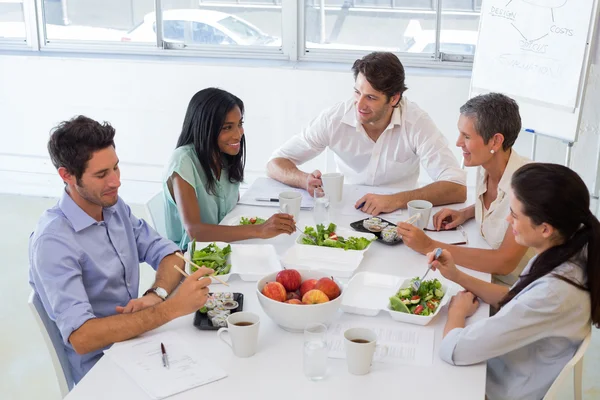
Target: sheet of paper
[269,188]
[141,359]
[405,345]
[458,236]
[352,193]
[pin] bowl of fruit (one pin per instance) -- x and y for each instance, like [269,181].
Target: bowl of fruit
[295,298]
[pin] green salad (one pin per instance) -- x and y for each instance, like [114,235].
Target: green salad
[422,302]
[212,256]
[327,237]
[252,221]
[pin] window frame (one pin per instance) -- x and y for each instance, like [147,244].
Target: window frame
[430,60]
[293,46]
[29,42]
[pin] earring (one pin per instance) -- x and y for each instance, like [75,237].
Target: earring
[492,151]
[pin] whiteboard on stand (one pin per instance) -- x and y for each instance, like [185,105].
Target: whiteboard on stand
[538,52]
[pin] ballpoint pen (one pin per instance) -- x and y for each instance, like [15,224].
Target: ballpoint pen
[269,199]
[165,358]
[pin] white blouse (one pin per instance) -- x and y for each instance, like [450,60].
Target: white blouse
[394,159]
[529,341]
[492,221]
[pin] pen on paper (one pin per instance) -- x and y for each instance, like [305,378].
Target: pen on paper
[270,199]
[165,358]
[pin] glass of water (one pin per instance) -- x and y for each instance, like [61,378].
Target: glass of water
[315,351]
[321,207]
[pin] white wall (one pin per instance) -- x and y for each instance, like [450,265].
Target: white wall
[145,100]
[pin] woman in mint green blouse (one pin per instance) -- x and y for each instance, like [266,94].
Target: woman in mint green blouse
[201,184]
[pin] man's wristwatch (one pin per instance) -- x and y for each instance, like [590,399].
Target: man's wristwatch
[160,292]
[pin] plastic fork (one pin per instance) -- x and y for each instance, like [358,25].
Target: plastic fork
[417,283]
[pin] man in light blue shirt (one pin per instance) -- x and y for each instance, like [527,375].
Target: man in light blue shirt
[85,253]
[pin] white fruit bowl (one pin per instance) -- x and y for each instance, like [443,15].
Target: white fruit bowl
[295,317]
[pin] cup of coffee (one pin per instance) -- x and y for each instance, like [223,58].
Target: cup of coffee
[360,345]
[289,203]
[421,207]
[242,328]
[333,184]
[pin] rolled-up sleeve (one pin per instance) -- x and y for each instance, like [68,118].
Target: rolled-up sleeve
[309,143]
[524,320]
[57,269]
[448,345]
[151,247]
[436,157]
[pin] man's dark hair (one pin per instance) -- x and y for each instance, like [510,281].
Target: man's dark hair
[73,142]
[383,71]
[494,113]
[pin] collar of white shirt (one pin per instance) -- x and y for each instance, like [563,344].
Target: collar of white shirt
[515,161]
[349,117]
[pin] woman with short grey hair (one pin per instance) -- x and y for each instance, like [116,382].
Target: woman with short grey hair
[489,125]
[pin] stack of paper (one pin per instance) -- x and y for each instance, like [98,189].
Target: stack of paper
[141,359]
[455,237]
[263,190]
[402,345]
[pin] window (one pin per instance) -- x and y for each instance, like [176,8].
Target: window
[460,26]
[98,21]
[12,20]
[207,34]
[242,23]
[421,32]
[173,30]
[406,26]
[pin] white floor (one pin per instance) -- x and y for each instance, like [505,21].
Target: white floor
[25,368]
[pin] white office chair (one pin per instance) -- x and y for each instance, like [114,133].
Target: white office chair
[54,343]
[575,364]
[155,208]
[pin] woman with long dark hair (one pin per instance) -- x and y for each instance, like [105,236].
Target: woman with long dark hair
[201,184]
[546,314]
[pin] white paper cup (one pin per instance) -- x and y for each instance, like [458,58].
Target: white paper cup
[333,183]
[289,203]
[421,207]
[360,345]
[244,338]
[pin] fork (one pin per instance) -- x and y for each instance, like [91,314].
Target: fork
[417,283]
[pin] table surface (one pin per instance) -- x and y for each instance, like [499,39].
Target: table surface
[275,372]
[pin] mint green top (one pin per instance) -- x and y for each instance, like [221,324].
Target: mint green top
[213,207]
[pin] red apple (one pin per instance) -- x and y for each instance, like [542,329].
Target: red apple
[314,297]
[294,301]
[307,285]
[290,279]
[274,291]
[329,287]
[293,296]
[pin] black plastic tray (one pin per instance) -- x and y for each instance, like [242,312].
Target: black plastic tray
[358,226]
[202,322]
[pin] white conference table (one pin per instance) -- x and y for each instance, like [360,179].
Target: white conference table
[275,372]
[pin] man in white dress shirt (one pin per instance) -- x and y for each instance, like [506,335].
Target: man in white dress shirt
[378,138]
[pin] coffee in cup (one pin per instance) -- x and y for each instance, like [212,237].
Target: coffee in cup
[242,328]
